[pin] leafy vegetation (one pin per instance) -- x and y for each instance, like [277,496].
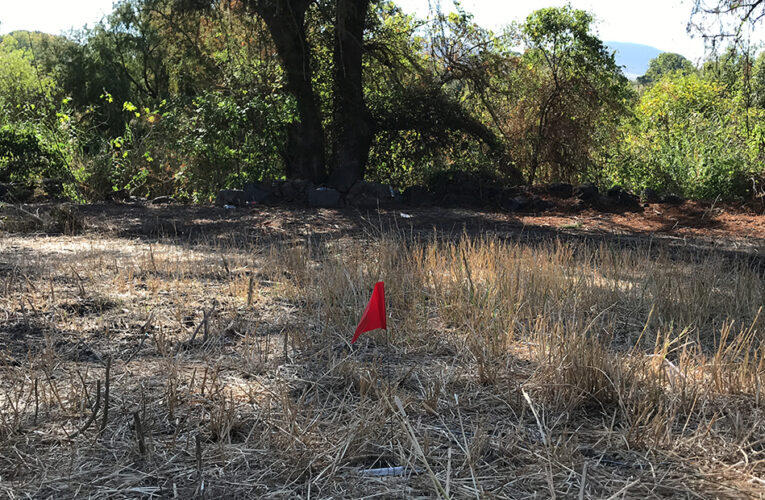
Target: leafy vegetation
[666,63]
[686,136]
[185,98]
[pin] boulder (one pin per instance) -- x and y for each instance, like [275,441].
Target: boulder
[371,195]
[650,196]
[417,196]
[615,192]
[672,199]
[463,184]
[257,192]
[518,204]
[161,200]
[324,197]
[560,190]
[457,200]
[586,192]
[293,190]
[231,197]
[490,196]
[522,203]
[618,197]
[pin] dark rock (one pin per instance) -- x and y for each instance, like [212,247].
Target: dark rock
[293,190]
[257,192]
[161,200]
[371,195]
[459,183]
[491,195]
[458,200]
[230,197]
[560,190]
[324,197]
[672,199]
[285,191]
[527,204]
[615,192]
[541,205]
[586,192]
[519,204]
[650,196]
[302,185]
[3,191]
[418,196]
[619,197]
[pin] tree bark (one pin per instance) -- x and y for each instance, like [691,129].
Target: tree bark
[353,125]
[305,138]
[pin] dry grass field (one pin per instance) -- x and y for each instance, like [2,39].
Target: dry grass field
[161,366]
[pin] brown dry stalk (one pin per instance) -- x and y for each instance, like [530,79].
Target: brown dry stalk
[107,383]
[520,367]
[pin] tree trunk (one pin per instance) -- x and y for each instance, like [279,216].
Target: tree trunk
[305,138]
[353,126]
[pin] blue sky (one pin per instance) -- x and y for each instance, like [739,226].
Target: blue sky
[660,23]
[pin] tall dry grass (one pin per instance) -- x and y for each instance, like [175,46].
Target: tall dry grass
[510,369]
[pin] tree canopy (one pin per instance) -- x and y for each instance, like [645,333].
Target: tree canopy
[664,64]
[185,97]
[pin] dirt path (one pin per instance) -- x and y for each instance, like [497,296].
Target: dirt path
[691,226]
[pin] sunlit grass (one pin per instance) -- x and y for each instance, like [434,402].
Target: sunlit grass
[546,368]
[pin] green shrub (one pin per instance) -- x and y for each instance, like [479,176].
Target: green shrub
[24,158]
[688,137]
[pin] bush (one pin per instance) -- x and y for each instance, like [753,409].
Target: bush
[688,137]
[191,148]
[24,158]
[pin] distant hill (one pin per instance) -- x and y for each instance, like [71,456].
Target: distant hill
[633,57]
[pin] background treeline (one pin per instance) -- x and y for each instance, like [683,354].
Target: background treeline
[182,98]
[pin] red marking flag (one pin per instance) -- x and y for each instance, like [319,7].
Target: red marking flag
[374,315]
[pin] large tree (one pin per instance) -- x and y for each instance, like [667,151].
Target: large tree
[575,87]
[353,125]
[353,128]
[286,21]
[666,63]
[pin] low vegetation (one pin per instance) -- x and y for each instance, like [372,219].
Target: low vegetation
[512,367]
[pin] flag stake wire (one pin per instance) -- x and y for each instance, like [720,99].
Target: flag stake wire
[389,338]
[373,318]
